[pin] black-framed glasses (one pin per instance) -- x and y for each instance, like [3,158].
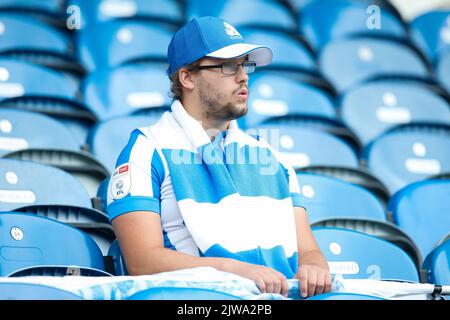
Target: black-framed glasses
[231,67]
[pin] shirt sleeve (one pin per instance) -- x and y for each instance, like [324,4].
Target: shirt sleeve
[136,182]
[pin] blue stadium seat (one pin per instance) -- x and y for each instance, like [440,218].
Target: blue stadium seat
[288,52]
[49,6]
[94,11]
[108,138]
[22,130]
[409,153]
[49,11]
[50,192]
[27,248]
[276,96]
[372,108]
[326,198]
[245,13]
[431,32]
[127,90]
[33,291]
[443,70]
[119,263]
[35,88]
[20,32]
[343,296]
[437,264]
[180,293]
[345,18]
[302,147]
[357,255]
[420,210]
[347,62]
[116,42]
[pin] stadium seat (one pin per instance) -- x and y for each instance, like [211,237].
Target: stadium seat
[35,88]
[119,263]
[374,107]
[49,11]
[420,210]
[21,32]
[359,176]
[29,39]
[431,32]
[343,296]
[331,126]
[23,129]
[80,164]
[277,96]
[326,197]
[127,90]
[94,11]
[347,62]
[108,138]
[302,147]
[437,264]
[442,70]
[245,13]
[116,42]
[409,153]
[33,291]
[47,191]
[345,18]
[288,52]
[181,293]
[27,247]
[326,201]
[357,255]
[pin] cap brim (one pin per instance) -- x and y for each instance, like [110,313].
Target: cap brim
[260,54]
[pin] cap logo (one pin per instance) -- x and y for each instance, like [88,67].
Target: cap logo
[231,31]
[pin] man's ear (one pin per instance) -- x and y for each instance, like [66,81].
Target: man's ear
[186,79]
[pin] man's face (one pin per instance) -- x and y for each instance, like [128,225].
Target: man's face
[224,97]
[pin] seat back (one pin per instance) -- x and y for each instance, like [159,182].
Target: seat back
[325,198]
[179,293]
[420,209]
[408,154]
[302,147]
[357,255]
[437,264]
[21,130]
[95,11]
[25,243]
[431,32]
[288,52]
[343,19]
[27,183]
[343,296]
[372,108]
[276,96]
[347,62]
[109,137]
[33,291]
[20,32]
[116,42]
[127,90]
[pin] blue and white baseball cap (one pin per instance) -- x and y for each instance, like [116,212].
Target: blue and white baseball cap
[211,37]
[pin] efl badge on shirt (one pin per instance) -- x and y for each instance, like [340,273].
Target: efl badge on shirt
[121,181]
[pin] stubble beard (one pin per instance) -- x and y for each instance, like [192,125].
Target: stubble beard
[215,109]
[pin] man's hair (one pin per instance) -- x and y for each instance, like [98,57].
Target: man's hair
[176,88]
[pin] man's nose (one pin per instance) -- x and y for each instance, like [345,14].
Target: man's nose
[241,75]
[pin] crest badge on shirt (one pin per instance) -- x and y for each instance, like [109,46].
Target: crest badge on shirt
[121,181]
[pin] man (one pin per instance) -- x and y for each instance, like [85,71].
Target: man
[193,190]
